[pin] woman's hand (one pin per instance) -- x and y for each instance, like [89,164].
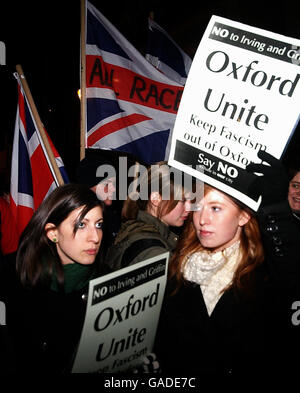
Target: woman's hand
[273,184]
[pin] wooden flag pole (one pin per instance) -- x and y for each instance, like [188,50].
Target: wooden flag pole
[40,125]
[82,81]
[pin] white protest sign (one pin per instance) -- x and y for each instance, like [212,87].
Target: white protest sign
[242,95]
[121,318]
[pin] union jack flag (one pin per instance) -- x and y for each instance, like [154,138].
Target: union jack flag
[164,54]
[130,106]
[32,176]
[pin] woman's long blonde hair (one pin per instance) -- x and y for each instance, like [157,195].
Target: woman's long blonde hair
[251,249]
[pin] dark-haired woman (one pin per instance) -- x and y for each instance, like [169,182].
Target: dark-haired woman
[57,256]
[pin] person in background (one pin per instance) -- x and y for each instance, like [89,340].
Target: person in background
[294,193]
[232,281]
[92,171]
[59,253]
[147,217]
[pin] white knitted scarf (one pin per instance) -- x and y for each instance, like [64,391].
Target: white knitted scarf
[212,271]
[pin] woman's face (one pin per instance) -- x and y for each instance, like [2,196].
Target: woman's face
[178,215]
[218,221]
[84,245]
[294,193]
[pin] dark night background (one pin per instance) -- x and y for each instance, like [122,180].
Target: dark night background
[44,37]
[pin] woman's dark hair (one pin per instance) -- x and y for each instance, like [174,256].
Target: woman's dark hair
[37,257]
[292,171]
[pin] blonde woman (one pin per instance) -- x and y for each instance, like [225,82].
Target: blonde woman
[148,216]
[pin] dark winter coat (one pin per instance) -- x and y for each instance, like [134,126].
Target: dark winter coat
[243,335]
[135,234]
[44,325]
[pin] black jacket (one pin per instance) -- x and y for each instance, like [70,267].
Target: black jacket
[133,237]
[250,335]
[44,326]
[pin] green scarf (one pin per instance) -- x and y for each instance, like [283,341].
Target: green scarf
[76,277]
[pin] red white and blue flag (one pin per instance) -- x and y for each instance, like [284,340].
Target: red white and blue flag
[164,54]
[130,106]
[32,176]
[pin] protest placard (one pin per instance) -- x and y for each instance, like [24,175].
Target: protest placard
[121,319]
[242,95]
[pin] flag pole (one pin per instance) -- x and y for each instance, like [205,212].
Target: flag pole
[82,80]
[39,124]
